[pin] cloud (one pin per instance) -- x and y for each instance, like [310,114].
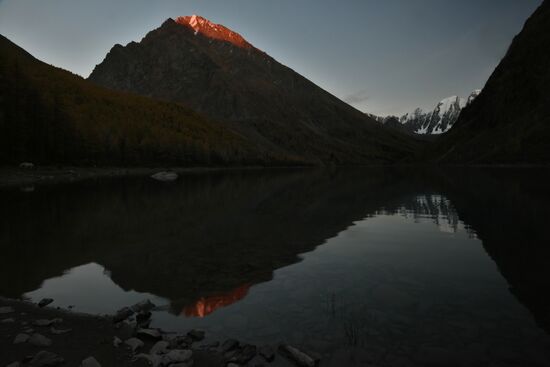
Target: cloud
[357,97]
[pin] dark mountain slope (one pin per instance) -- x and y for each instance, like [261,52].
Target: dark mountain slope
[510,120]
[50,116]
[215,71]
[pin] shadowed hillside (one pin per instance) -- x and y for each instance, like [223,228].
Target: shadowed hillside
[50,116]
[510,120]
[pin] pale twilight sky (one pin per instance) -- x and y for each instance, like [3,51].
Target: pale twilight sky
[382,56]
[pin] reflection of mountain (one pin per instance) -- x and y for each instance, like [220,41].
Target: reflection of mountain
[203,240]
[202,236]
[206,305]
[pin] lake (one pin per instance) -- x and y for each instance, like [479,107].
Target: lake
[394,267]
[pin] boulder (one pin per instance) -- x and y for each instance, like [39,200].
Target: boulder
[196,335]
[143,306]
[267,353]
[149,333]
[161,347]
[122,314]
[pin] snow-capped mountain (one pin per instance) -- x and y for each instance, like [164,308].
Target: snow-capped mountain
[436,121]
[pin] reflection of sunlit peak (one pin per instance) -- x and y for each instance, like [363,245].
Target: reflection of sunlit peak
[207,305]
[212,30]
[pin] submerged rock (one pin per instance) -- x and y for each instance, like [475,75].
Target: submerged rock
[90,362]
[46,359]
[165,176]
[44,302]
[299,357]
[40,340]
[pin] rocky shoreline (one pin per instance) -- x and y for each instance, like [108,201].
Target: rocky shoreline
[36,335]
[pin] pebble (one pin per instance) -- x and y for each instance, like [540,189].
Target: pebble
[40,340]
[6,309]
[46,359]
[44,302]
[21,338]
[90,362]
[134,344]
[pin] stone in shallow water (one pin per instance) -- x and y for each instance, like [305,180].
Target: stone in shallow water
[122,314]
[44,302]
[6,309]
[40,340]
[90,362]
[46,359]
[21,338]
[196,335]
[299,357]
[151,333]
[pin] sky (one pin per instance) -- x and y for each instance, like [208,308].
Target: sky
[382,56]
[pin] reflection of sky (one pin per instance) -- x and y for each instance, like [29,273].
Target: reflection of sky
[90,289]
[384,56]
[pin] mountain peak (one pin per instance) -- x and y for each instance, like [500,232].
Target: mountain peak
[212,30]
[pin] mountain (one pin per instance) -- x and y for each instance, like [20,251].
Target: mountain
[215,71]
[509,123]
[434,122]
[50,116]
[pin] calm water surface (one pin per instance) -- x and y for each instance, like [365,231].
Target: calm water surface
[399,267]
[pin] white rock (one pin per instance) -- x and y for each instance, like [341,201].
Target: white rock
[165,176]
